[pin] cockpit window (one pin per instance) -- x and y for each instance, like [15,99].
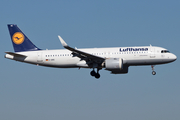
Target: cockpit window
[165,51]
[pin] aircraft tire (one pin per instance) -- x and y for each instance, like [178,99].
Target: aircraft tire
[153,72]
[97,75]
[93,73]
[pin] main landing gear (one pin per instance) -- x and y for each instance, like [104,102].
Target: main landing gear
[96,75]
[153,72]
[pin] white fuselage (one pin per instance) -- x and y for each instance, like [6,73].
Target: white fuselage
[116,60]
[145,55]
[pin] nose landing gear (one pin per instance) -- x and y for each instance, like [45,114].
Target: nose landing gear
[153,72]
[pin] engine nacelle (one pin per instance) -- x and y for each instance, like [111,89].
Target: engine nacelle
[114,64]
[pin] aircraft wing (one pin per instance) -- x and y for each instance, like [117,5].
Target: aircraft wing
[81,54]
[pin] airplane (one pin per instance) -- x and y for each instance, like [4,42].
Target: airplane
[117,60]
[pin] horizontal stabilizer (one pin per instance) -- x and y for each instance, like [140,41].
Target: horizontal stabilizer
[15,54]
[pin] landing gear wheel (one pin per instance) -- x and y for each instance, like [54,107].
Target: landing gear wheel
[97,75]
[93,73]
[153,72]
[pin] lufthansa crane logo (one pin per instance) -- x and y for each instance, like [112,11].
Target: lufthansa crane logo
[18,38]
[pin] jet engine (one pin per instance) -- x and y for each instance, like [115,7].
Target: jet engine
[115,65]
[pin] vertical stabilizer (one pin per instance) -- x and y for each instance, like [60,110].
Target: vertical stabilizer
[19,40]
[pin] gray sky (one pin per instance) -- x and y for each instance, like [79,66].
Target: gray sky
[29,92]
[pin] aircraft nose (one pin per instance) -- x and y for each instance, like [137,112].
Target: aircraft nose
[173,57]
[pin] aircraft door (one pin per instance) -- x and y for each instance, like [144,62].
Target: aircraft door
[39,57]
[152,52]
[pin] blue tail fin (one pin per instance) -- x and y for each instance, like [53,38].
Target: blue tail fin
[19,40]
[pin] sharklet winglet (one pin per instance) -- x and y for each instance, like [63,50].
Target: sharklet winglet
[62,41]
